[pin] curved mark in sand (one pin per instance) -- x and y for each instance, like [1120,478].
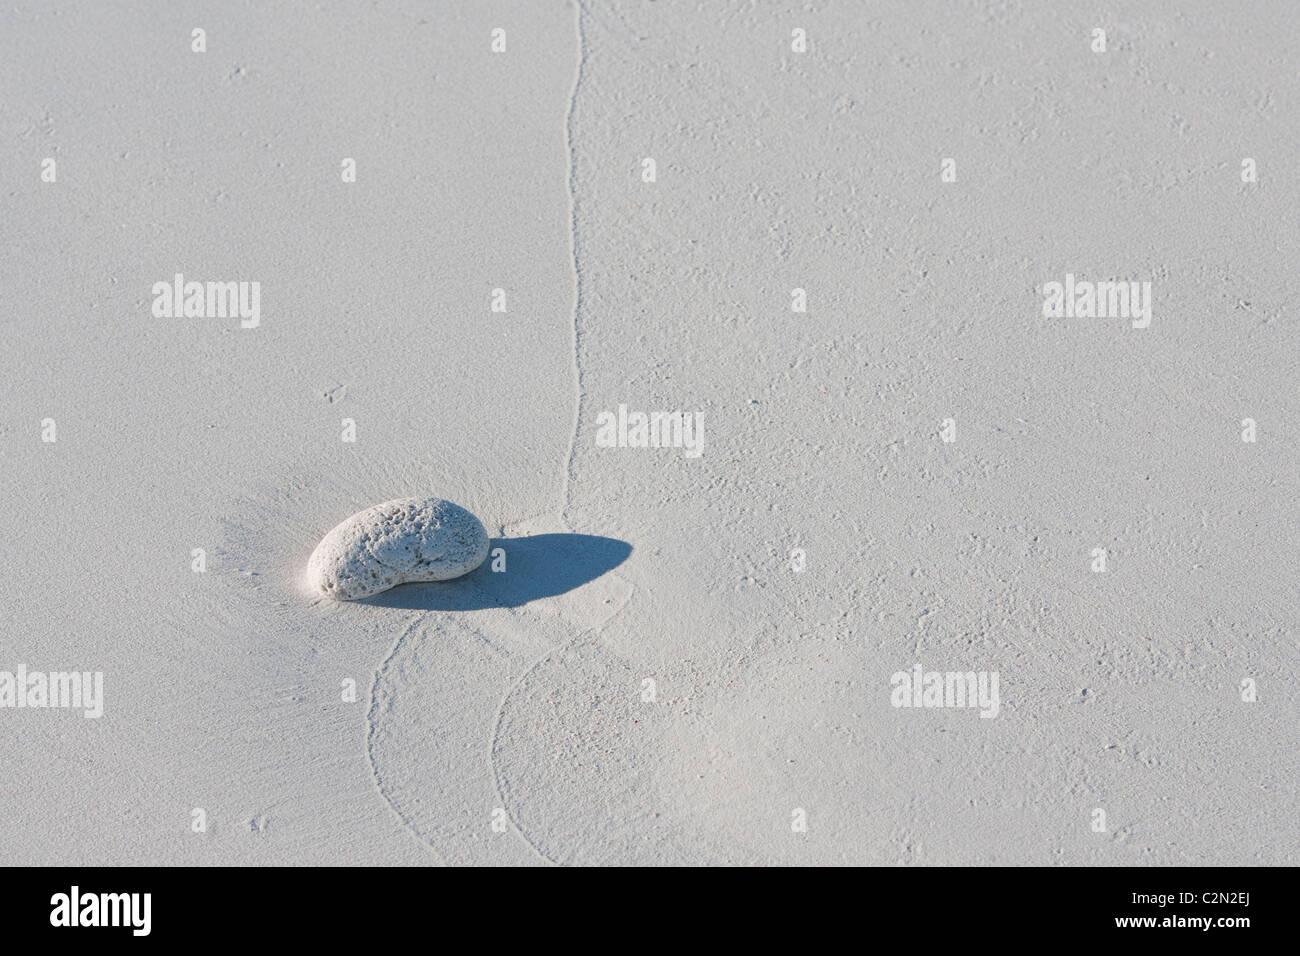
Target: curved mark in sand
[440,693]
[520,641]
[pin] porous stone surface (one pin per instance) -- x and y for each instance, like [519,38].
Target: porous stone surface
[399,541]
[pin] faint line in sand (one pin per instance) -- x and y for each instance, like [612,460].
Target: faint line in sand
[372,727]
[576,328]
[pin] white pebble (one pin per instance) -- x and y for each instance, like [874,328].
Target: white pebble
[408,539]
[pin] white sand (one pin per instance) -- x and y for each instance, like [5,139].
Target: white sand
[523,692]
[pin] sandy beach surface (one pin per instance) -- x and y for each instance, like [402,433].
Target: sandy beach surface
[693,654]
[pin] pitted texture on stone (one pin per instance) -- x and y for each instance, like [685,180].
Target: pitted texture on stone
[408,539]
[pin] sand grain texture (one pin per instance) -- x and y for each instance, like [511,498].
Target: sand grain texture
[504,718]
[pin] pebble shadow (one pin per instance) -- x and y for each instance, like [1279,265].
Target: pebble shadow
[539,566]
